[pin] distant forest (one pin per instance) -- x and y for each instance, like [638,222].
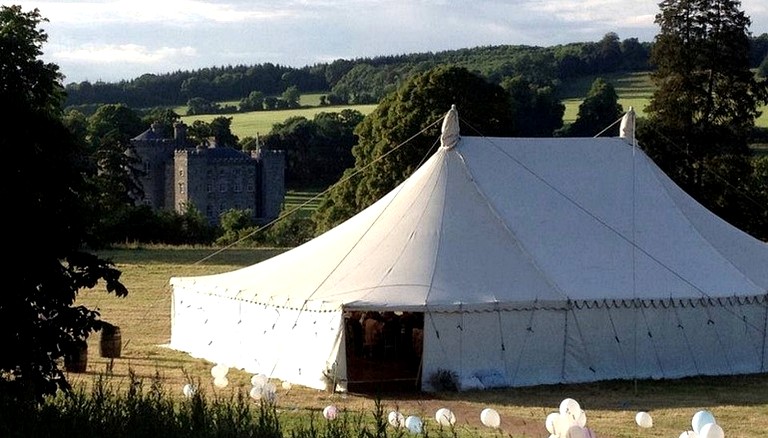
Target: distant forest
[367,80]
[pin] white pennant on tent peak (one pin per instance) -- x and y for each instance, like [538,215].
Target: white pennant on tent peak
[450,130]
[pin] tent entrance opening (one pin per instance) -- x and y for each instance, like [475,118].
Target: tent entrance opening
[384,350]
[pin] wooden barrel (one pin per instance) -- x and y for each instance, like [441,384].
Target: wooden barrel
[111,341]
[76,361]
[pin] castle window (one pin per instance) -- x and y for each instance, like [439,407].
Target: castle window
[147,167]
[251,188]
[209,211]
[210,187]
[238,187]
[222,186]
[181,187]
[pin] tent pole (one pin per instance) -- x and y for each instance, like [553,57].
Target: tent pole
[765,334]
[418,373]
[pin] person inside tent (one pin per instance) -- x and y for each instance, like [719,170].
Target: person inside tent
[372,328]
[354,333]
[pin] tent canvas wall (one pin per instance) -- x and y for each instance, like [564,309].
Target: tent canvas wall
[536,261]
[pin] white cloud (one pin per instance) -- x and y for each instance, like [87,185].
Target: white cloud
[114,38]
[165,12]
[123,53]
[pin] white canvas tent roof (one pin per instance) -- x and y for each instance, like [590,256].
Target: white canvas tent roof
[512,224]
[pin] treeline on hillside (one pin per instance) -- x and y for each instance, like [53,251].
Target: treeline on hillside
[367,80]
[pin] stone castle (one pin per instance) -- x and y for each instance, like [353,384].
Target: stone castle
[212,178]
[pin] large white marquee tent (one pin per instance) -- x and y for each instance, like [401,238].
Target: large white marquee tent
[537,261]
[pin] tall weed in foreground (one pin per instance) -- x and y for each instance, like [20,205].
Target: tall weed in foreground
[137,411]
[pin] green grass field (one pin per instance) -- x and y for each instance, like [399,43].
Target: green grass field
[634,90]
[260,122]
[305,202]
[256,123]
[740,403]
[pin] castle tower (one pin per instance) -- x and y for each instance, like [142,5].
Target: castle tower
[272,182]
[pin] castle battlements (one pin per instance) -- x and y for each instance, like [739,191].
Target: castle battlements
[213,178]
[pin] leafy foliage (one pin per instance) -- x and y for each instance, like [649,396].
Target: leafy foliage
[317,151]
[537,111]
[39,321]
[416,107]
[444,380]
[763,69]
[705,103]
[599,110]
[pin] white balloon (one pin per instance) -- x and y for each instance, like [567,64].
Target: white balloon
[700,419]
[259,380]
[188,390]
[221,382]
[582,420]
[550,422]
[570,407]
[219,371]
[490,418]
[413,423]
[711,430]
[287,386]
[688,434]
[255,393]
[445,417]
[330,412]
[644,420]
[562,424]
[396,419]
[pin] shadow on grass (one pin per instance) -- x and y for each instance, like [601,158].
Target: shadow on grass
[691,392]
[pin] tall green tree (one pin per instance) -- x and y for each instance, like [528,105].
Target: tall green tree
[291,96]
[318,150]
[405,127]
[221,129]
[114,120]
[165,118]
[599,110]
[116,179]
[705,103]
[537,111]
[253,102]
[39,320]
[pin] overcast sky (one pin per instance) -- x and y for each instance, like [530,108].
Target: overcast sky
[110,40]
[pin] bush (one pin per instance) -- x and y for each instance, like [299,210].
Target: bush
[444,380]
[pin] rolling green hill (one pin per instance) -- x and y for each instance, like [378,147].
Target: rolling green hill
[634,89]
[256,123]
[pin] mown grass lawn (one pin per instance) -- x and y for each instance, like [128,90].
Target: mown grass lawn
[739,403]
[634,90]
